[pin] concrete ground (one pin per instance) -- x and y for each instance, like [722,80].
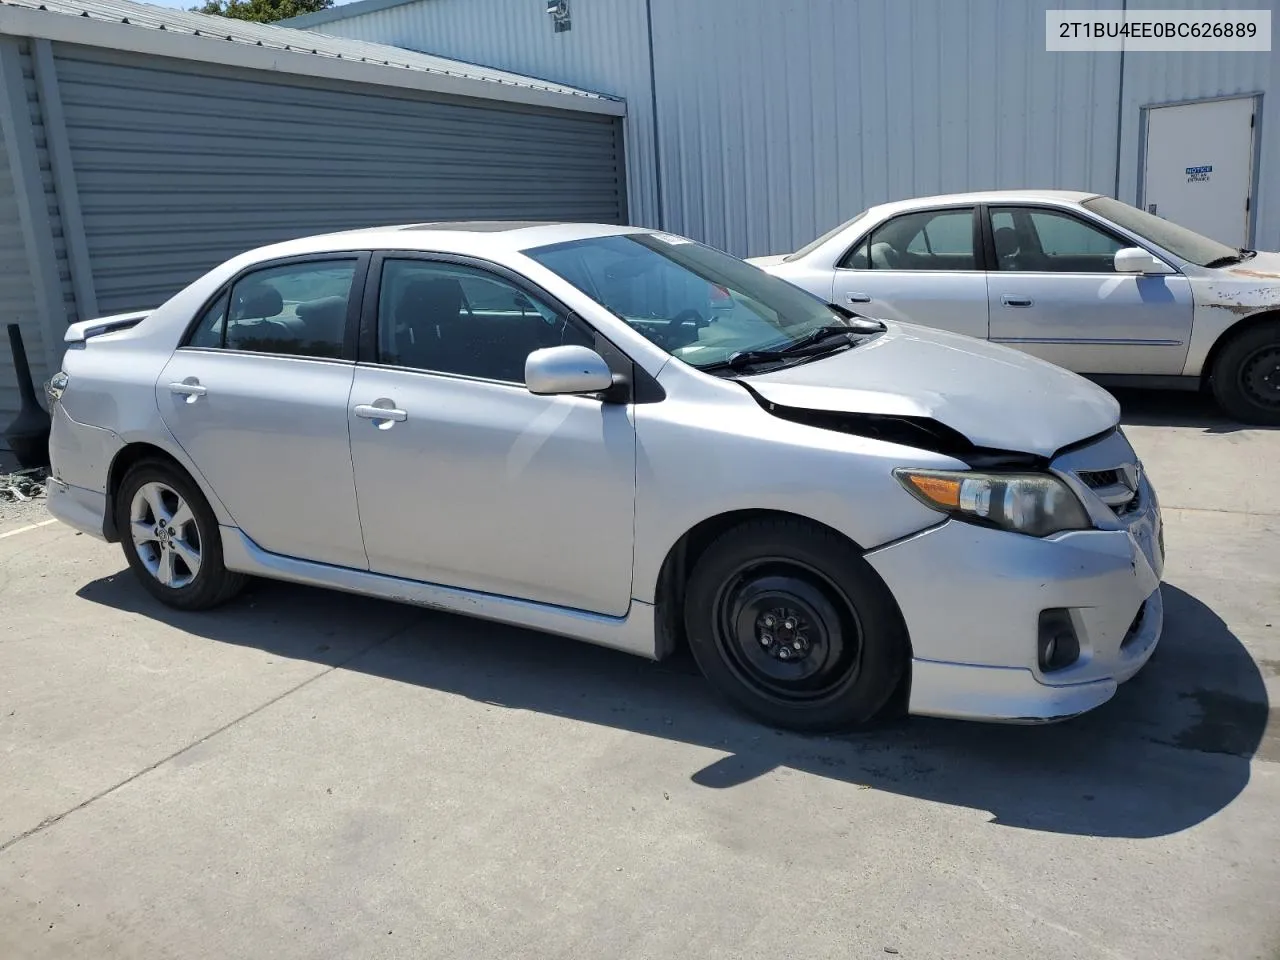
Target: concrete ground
[309,775]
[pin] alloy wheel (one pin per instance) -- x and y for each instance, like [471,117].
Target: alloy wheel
[165,533]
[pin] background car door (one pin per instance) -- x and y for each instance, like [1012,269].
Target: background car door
[469,480]
[920,267]
[257,397]
[1055,293]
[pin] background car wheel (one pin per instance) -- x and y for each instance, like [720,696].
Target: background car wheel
[789,622]
[170,538]
[1246,375]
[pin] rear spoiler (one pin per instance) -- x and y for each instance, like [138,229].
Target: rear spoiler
[82,331]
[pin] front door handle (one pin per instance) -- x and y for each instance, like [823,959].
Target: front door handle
[375,411]
[1009,300]
[859,298]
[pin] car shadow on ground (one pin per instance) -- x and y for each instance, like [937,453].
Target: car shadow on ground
[1169,751]
[1176,408]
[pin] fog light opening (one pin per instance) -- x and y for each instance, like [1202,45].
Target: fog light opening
[1057,647]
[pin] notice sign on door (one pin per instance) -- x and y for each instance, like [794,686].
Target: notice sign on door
[1199,174]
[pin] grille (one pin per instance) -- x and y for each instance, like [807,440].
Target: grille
[1100,478]
[1111,488]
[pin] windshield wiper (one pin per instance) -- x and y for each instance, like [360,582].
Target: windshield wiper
[812,344]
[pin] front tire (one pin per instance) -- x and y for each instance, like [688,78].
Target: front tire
[1246,375]
[789,622]
[171,540]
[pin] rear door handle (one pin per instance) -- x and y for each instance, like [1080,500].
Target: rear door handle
[188,388]
[1009,300]
[859,298]
[371,411]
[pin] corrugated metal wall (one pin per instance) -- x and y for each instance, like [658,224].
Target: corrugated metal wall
[606,50]
[65,309]
[180,165]
[779,118]
[17,294]
[19,299]
[1156,78]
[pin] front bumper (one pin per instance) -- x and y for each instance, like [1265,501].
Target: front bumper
[972,597]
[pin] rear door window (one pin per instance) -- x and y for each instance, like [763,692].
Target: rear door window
[295,309]
[935,240]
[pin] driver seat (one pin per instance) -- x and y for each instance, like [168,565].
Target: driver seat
[430,328]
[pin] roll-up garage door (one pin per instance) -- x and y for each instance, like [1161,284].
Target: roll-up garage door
[181,165]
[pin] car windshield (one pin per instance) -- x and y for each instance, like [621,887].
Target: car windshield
[1180,241]
[699,304]
[813,245]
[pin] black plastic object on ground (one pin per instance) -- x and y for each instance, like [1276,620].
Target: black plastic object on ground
[28,434]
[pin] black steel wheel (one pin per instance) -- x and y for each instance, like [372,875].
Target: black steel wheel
[1246,376]
[789,622]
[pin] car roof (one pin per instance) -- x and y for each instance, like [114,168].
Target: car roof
[983,196]
[454,236]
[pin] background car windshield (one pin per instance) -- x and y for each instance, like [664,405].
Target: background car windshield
[698,303]
[1180,241]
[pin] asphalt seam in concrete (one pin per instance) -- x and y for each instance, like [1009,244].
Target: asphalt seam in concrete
[50,821]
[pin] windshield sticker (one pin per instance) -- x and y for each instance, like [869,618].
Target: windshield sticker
[669,238]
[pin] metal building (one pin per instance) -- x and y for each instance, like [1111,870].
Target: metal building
[140,146]
[757,124]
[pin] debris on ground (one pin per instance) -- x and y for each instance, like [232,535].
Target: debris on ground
[23,485]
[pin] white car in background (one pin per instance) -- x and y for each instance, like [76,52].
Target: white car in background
[1084,281]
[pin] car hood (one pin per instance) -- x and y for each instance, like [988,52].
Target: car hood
[997,397]
[1241,288]
[1261,266]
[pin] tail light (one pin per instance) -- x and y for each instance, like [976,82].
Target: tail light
[54,387]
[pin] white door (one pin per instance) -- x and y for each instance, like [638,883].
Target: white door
[257,397]
[1199,167]
[469,480]
[919,267]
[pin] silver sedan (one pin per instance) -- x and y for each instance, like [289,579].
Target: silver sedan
[626,437]
[1085,281]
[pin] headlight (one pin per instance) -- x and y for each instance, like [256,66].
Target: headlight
[1030,503]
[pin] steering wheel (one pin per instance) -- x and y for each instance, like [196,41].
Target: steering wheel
[682,329]
[688,316]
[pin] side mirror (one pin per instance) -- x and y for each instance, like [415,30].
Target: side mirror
[566,370]
[1137,260]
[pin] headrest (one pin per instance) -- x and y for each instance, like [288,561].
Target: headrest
[257,300]
[435,301]
[883,256]
[1006,241]
[324,307]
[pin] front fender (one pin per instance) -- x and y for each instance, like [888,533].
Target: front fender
[710,449]
[1220,310]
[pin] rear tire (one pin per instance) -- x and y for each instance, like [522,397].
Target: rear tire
[789,622]
[171,539]
[1246,375]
